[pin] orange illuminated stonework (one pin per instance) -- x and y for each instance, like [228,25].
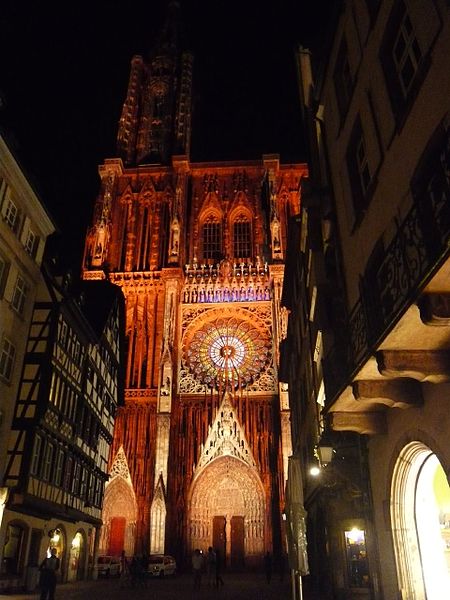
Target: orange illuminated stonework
[201,444]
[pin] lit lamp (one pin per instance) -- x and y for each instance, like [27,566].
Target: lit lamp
[325,449]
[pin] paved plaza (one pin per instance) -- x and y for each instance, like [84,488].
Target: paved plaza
[242,586]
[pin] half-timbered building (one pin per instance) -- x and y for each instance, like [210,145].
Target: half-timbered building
[62,426]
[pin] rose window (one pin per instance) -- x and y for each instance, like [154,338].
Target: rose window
[228,350]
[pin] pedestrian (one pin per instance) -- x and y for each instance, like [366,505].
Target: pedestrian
[268,566]
[211,565]
[197,568]
[124,570]
[219,580]
[47,581]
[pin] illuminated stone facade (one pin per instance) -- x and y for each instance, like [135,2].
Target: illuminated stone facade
[198,252]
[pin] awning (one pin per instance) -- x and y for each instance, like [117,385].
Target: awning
[295,518]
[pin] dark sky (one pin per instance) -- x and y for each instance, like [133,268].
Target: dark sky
[64,72]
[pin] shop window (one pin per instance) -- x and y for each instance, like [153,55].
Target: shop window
[356,555]
[12,549]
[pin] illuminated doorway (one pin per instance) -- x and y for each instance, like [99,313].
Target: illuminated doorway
[227,510]
[76,558]
[420,513]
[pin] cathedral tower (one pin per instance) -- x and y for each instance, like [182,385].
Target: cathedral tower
[200,447]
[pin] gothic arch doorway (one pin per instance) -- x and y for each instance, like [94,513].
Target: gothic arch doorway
[420,515]
[227,511]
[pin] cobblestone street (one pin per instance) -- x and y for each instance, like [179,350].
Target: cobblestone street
[242,586]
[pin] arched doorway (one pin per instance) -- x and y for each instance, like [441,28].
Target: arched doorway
[119,519]
[420,515]
[227,511]
[76,557]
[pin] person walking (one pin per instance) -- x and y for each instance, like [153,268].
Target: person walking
[197,568]
[268,566]
[211,566]
[219,580]
[47,581]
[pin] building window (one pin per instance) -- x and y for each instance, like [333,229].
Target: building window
[241,238]
[7,355]
[36,458]
[11,214]
[343,81]
[19,295]
[401,58]
[31,243]
[59,468]
[406,54]
[358,169]
[47,462]
[4,267]
[212,240]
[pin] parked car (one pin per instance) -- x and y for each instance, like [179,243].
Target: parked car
[108,566]
[160,565]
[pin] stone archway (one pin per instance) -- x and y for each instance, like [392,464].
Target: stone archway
[230,491]
[420,516]
[119,518]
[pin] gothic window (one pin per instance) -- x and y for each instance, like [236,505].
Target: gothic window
[212,239]
[242,238]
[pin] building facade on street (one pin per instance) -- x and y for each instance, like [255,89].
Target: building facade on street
[59,389]
[61,431]
[200,447]
[367,294]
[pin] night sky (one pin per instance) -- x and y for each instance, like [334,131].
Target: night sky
[64,74]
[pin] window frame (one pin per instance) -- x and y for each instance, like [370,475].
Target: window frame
[360,176]
[242,239]
[20,292]
[212,238]
[7,359]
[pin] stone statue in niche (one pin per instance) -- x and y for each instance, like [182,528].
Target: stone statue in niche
[175,237]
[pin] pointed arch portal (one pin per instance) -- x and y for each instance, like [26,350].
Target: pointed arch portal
[227,510]
[119,513]
[420,514]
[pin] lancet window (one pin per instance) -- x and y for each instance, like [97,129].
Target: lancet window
[242,243]
[212,238]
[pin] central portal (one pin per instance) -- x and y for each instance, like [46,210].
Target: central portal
[227,511]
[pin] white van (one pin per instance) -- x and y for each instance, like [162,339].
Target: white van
[108,566]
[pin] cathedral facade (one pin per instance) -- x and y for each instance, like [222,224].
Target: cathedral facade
[201,442]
